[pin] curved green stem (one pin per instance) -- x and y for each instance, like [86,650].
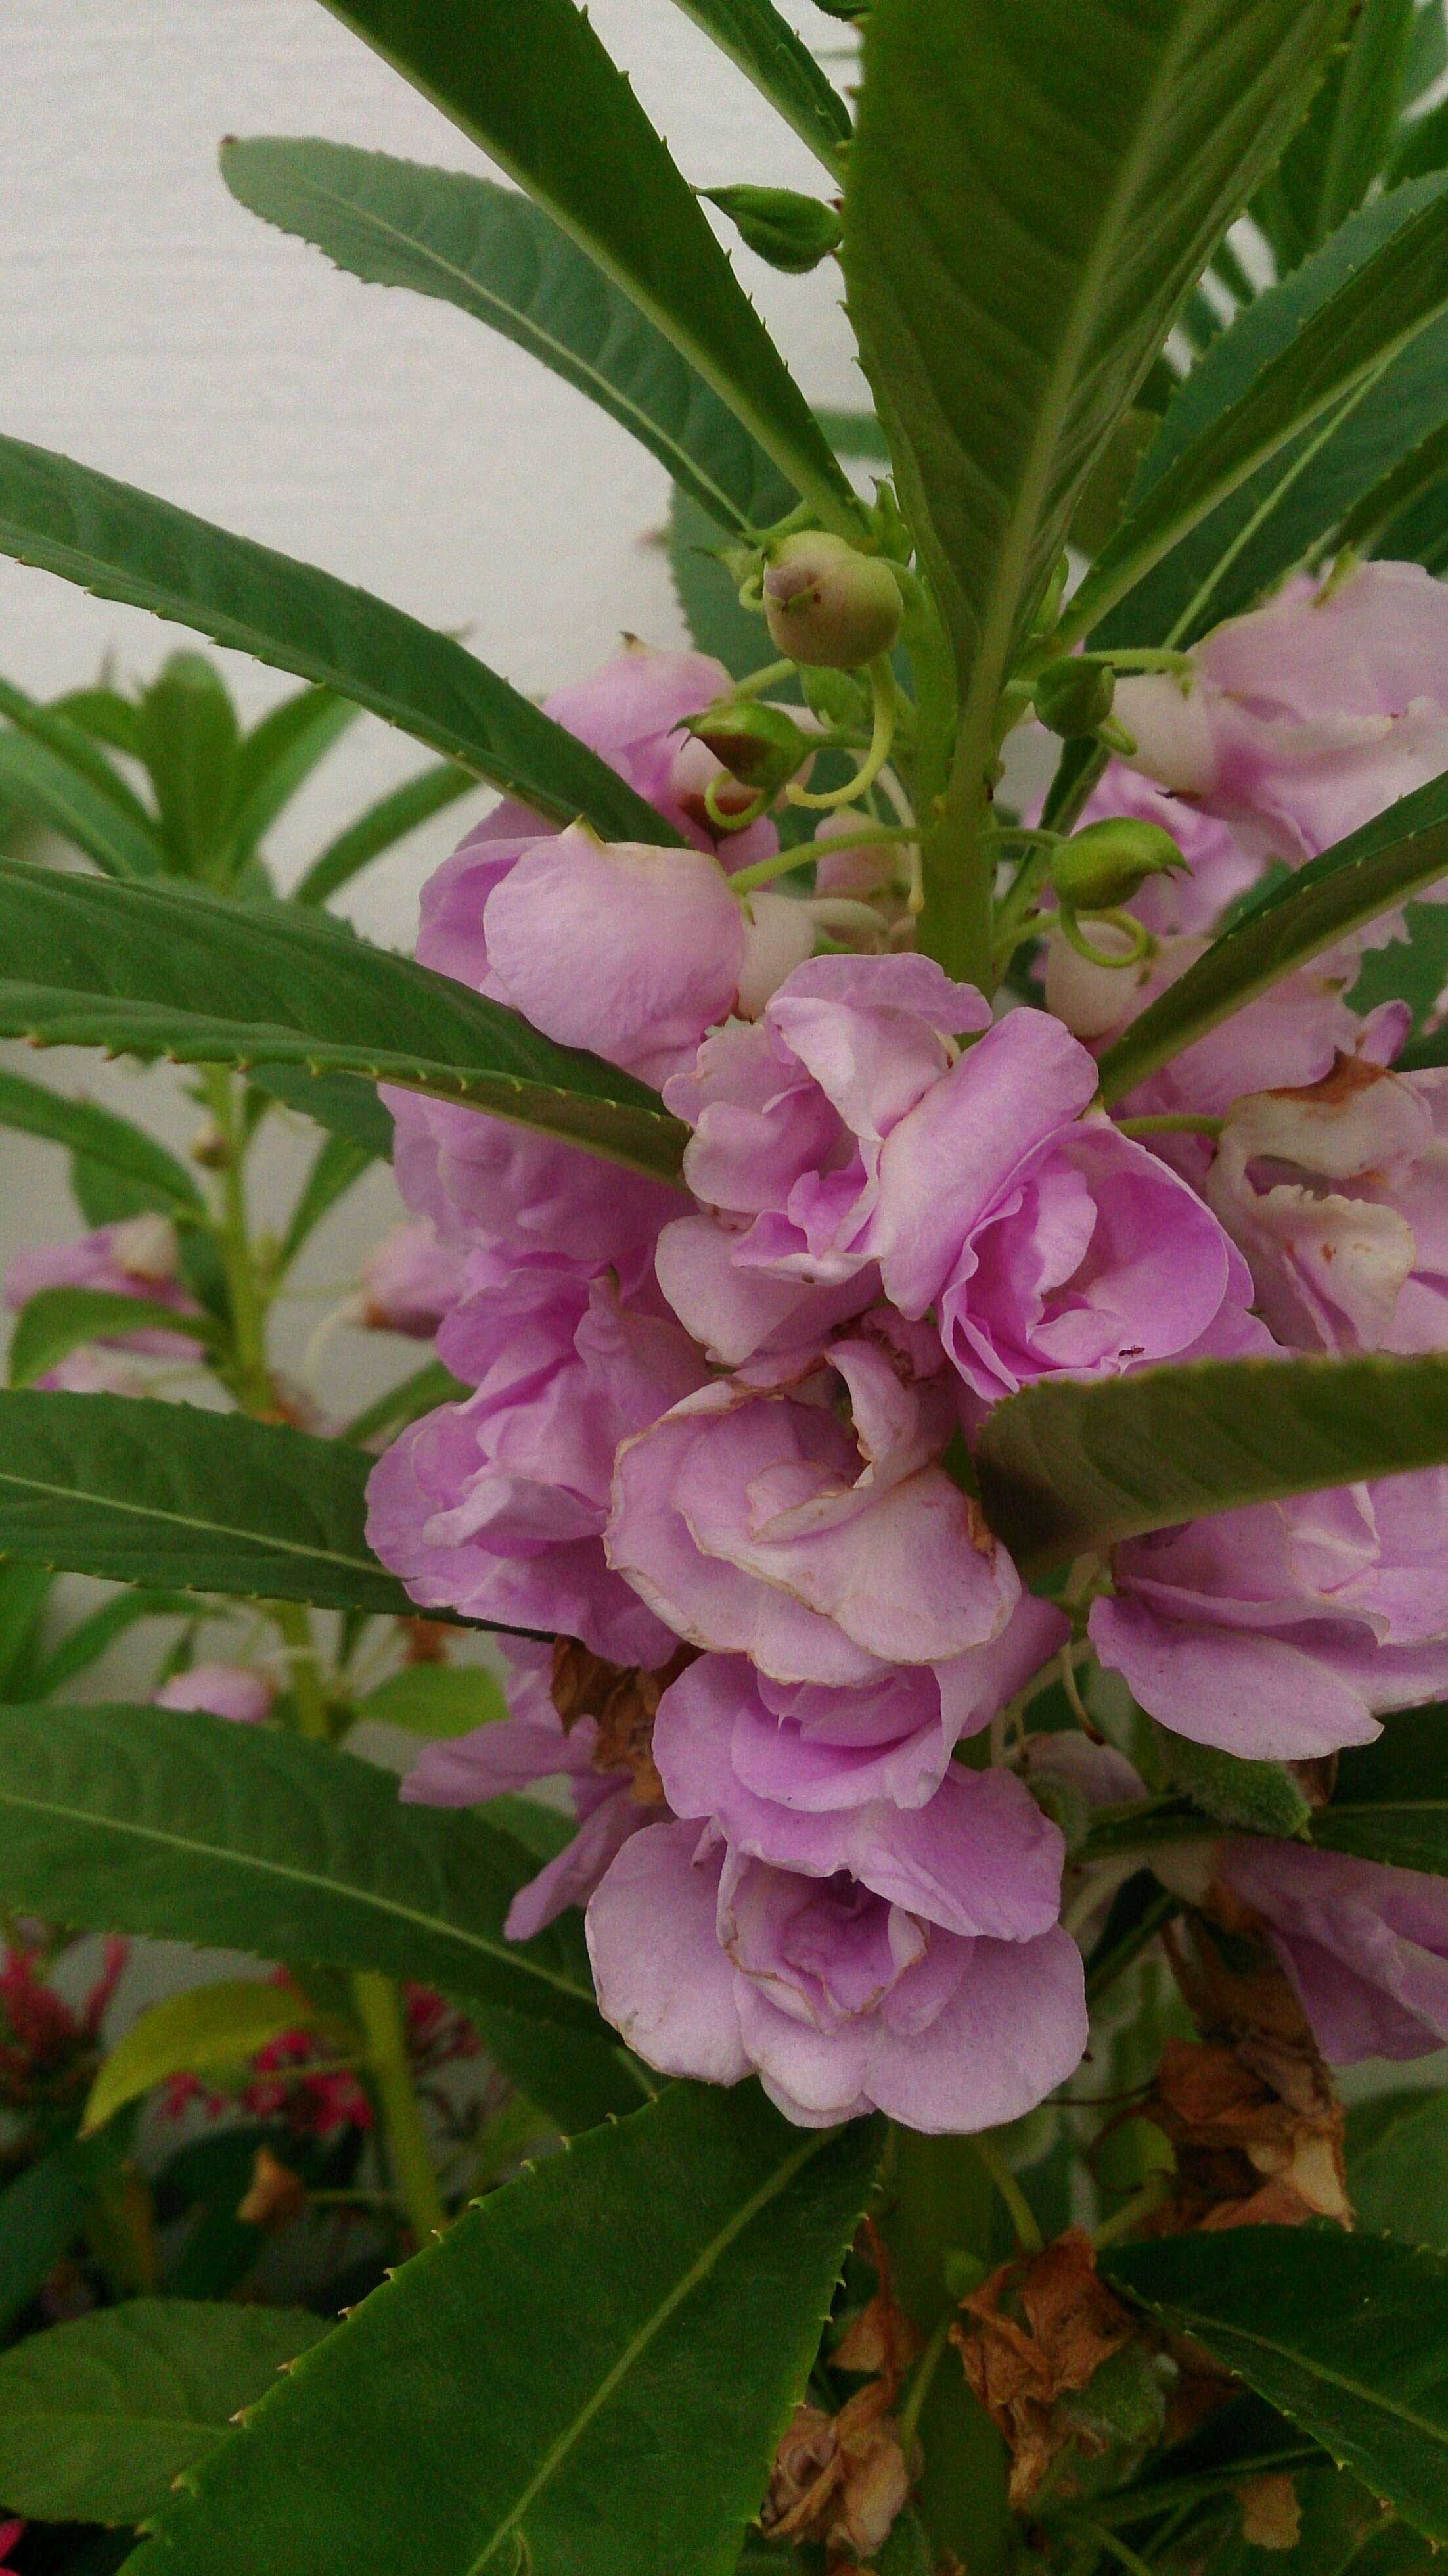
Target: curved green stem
[1018,2208]
[379,2011]
[885,699]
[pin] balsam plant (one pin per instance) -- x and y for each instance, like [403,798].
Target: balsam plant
[939,1389]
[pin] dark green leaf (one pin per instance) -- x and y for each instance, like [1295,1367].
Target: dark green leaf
[99,2418]
[1422,146]
[538,92]
[1347,2335]
[1398,2171]
[101,1137]
[1070,1465]
[124,544]
[339,1164]
[790,231]
[614,2389]
[24,1593]
[188,733]
[205,1502]
[769,53]
[385,823]
[73,742]
[1006,324]
[87,964]
[1396,855]
[1246,471]
[708,596]
[41,2215]
[39,783]
[1344,139]
[278,755]
[336,1101]
[503,260]
[1427,57]
[423,1392]
[180,1826]
[576,2077]
[56,1321]
[1390,1801]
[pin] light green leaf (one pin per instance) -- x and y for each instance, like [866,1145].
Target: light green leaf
[1347,2335]
[615,2389]
[205,2030]
[385,823]
[1400,852]
[1071,1465]
[87,964]
[90,1638]
[124,544]
[428,1387]
[503,260]
[51,791]
[782,68]
[1345,137]
[201,1501]
[56,1321]
[1315,393]
[436,1699]
[179,1826]
[340,1162]
[1390,1799]
[100,2417]
[1397,2165]
[101,1137]
[74,743]
[279,755]
[187,728]
[855,433]
[1006,324]
[537,91]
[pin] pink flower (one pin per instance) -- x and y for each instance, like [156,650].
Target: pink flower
[710,1964]
[761,1524]
[1283,1630]
[223,1690]
[1338,1196]
[496,1505]
[1365,1946]
[410,1282]
[790,1117]
[1308,717]
[511,1756]
[138,1258]
[486,1184]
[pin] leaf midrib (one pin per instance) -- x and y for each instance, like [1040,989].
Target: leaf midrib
[254,1539]
[288,1873]
[1196,2320]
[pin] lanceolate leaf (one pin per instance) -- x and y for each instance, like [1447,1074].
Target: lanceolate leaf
[275,758]
[200,1501]
[1397,2162]
[101,1137]
[87,964]
[1396,855]
[1390,1799]
[1347,2335]
[385,823]
[593,2368]
[51,791]
[204,2030]
[98,2418]
[1006,324]
[490,250]
[783,69]
[172,1824]
[335,1100]
[58,1320]
[41,2215]
[1345,137]
[73,742]
[1314,394]
[124,544]
[1070,1465]
[536,89]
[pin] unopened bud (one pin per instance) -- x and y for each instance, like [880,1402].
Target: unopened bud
[792,232]
[1050,608]
[146,1247]
[1074,697]
[1107,863]
[211,1147]
[825,603]
[760,745]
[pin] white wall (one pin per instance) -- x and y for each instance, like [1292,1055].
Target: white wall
[153,328]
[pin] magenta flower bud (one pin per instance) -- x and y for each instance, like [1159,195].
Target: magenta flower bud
[1107,863]
[824,603]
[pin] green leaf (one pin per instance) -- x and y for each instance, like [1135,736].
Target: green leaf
[855,433]
[1006,324]
[503,260]
[207,1502]
[708,597]
[408,1401]
[381,827]
[203,2030]
[24,1594]
[179,1826]
[537,91]
[99,2418]
[51,791]
[1347,2335]
[41,2214]
[123,544]
[1246,471]
[1422,146]
[278,756]
[56,1321]
[91,1637]
[101,1137]
[782,68]
[1395,856]
[87,964]
[1390,1800]
[436,1699]
[1345,138]
[336,1101]
[340,1163]
[1398,2167]
[615,2389]
[1070,1465]
[789,231]
[74,743]
[188,732]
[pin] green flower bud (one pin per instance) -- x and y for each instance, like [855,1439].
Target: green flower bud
[1050,608]
[759,745]
[792,232]
[1074,697]
[825,603]
[1108,863]
[836,697]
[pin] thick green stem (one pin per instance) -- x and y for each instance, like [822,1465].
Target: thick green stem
[248,1309]
[379,2010]
[955,923]
[308,1691]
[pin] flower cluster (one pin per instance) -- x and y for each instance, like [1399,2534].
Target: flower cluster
[717,1439]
